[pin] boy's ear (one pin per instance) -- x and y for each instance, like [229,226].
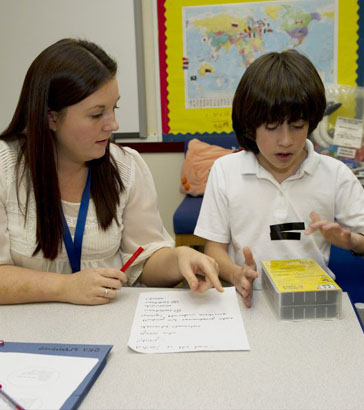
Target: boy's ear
[52,120]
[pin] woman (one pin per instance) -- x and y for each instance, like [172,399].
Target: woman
[70,201]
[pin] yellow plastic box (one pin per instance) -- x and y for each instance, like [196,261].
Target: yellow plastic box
[299,289]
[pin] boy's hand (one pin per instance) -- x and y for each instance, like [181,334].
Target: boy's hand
[244,277]
[331,231]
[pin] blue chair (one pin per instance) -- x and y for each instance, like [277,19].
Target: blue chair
[349,272]
[186,215]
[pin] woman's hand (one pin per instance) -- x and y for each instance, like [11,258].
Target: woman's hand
[94,286]
[192,263]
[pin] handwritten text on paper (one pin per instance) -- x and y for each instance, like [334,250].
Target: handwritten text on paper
[182,320]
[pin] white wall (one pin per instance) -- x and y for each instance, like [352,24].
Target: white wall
[29,26]
[166,169]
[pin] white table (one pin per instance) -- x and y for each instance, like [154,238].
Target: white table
[291,365]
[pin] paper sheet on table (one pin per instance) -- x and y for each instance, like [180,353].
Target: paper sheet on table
[186,321]
[38,381]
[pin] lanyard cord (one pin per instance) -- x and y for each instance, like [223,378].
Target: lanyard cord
[74,248]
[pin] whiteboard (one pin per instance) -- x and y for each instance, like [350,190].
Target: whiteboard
[29,26]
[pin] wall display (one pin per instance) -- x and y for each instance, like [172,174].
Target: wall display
[206,45]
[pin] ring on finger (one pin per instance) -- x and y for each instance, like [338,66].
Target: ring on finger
[106,292]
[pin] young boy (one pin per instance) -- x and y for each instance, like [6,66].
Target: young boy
[278,198]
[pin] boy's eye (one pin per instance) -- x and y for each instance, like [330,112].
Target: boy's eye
[298,125]
[271,126]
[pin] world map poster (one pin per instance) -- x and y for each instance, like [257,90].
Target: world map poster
[209,44]
[220,42]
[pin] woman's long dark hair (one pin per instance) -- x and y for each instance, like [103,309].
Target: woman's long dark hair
[62,75]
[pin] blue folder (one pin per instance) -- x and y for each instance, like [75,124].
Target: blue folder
[60,349]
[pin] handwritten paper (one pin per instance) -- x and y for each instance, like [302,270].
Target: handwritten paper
[38,381]
[186,321]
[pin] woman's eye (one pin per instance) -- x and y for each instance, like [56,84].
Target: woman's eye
[96,115]
[115,107]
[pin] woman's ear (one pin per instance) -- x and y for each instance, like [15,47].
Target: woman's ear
[52,120]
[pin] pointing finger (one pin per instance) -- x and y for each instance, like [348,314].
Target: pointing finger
[315,217]
[249,259]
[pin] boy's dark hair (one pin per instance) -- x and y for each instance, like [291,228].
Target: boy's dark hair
[274,88]
[63,74]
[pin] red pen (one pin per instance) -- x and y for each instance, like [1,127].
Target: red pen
[132,258]
[9,400]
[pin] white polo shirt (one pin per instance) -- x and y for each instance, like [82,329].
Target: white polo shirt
[244,205]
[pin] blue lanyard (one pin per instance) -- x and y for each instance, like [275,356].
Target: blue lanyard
[74,248]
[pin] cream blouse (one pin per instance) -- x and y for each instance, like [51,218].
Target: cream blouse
[139,221]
